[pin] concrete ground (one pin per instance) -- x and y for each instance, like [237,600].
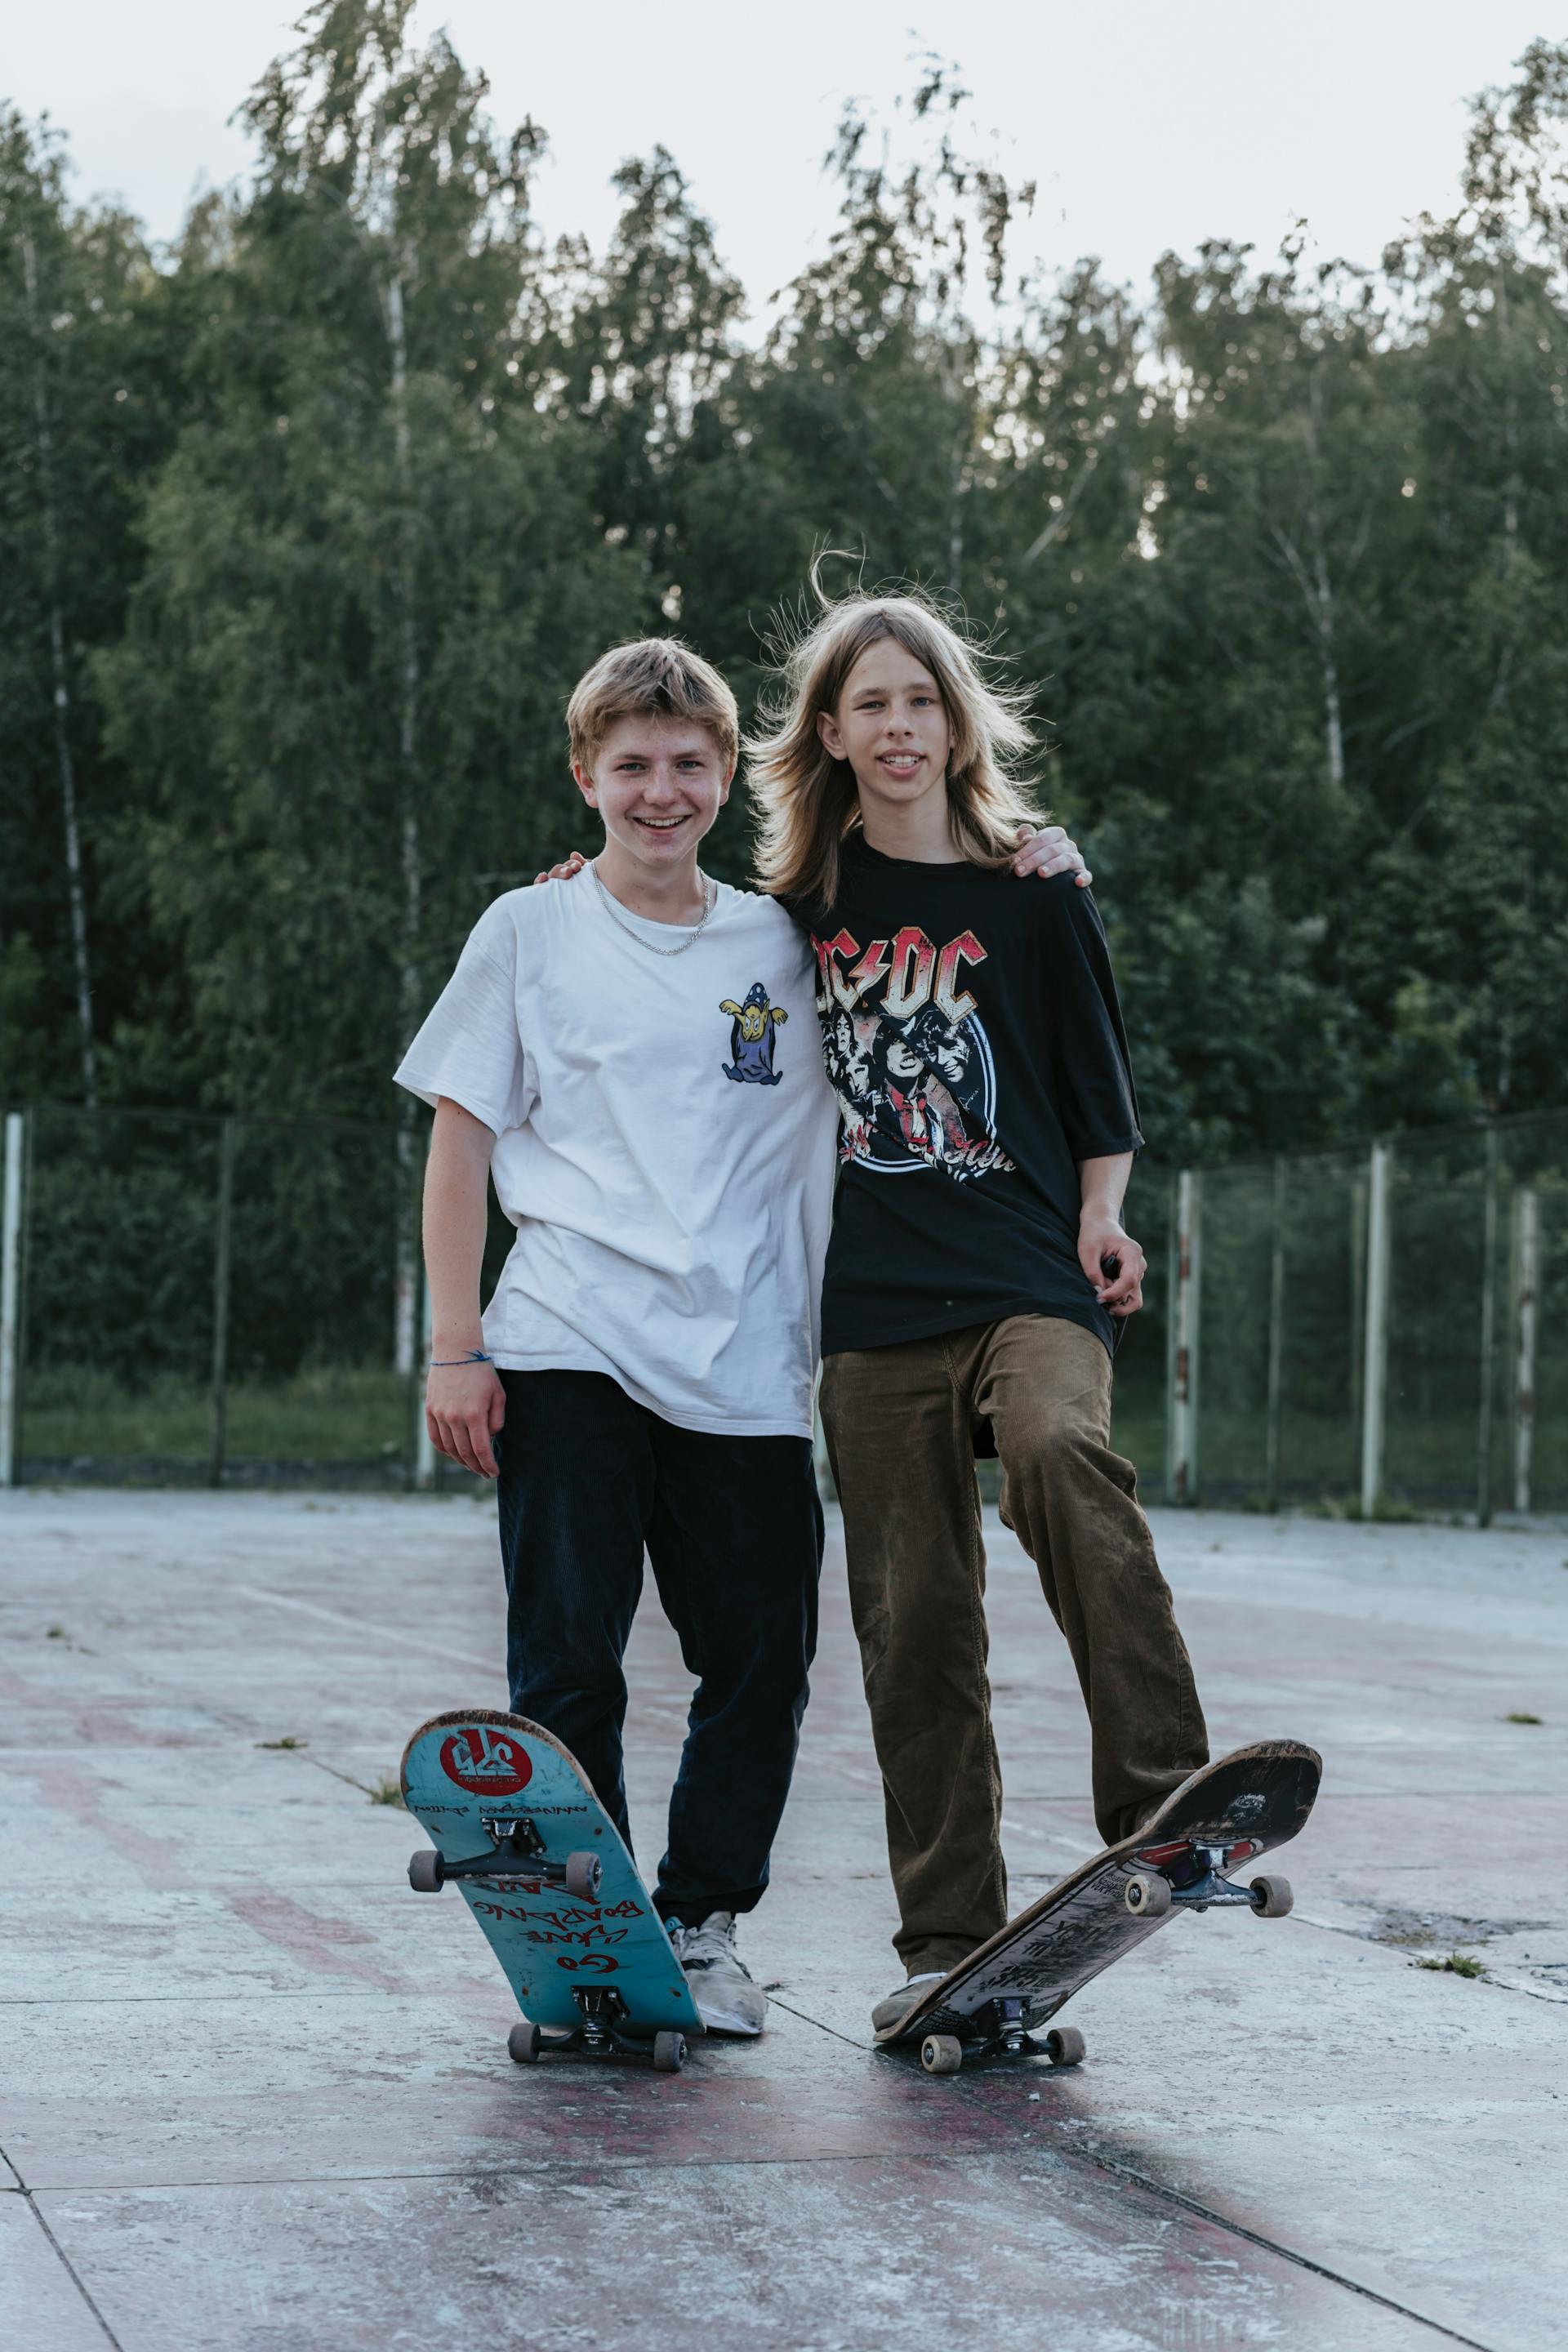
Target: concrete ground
[255,2095]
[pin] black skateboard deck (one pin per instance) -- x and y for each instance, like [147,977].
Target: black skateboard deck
[1221,1818]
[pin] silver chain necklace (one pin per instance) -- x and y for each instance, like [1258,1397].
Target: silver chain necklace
[709,900]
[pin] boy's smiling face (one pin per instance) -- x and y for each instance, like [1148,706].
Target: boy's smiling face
[658,784]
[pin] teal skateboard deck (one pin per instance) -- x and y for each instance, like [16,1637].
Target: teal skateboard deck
[515,1826]
[1222,1816]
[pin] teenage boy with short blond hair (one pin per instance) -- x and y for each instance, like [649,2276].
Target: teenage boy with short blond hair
[634,1062]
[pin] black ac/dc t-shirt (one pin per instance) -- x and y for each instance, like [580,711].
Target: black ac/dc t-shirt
[973,1035]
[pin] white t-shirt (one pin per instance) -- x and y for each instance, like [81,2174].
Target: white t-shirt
[664,1145]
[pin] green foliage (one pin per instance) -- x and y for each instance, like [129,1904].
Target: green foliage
[332,509]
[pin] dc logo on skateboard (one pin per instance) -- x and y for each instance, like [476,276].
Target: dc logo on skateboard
[487,1763]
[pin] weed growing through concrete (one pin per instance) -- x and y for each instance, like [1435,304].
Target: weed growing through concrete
[58,1633]
[289,1742]
[1522,1714]
[386,1791]
[1458,1964]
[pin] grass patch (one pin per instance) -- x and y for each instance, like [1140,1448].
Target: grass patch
[1458,1964]
[1523,1715]
[330,1414]
[289,1742]
[388,1791]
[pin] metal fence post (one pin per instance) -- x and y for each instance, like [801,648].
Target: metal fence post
[1358,1306]
[1172,1253]
[223,1257]
[11,1293]
[1186,1300]
[1375,1366]
[1275,1342]
[407,1263]
[424,1444]
[1526,1255]
[1489,1334]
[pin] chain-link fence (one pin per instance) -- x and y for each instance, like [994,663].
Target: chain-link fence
[1378,1330]
[226,1301]
[206,1300]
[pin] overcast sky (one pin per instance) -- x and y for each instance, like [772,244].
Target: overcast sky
[1147,125]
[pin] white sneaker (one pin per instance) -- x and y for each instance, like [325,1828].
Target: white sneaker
[727,1999]
[899,2004]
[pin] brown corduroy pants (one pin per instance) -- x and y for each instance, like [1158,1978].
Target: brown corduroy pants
[900,1424]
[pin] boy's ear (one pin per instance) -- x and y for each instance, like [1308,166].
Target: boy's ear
[585,783]
[827,728]
[724,787]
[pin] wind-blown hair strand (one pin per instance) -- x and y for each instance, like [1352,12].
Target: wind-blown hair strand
[807,800]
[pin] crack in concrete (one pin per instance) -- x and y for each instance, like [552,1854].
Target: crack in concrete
[1400,1949]
[1073,2158]
[1121,2171]
[26,2194]
[1114,2166]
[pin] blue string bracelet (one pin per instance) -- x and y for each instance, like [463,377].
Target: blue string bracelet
[449,1363]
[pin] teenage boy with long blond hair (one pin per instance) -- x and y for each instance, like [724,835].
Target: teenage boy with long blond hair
[978,1266]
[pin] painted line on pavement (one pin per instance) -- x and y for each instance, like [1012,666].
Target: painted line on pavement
[356,1625]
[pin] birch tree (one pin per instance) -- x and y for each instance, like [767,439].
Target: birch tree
[81,410]
[371,572]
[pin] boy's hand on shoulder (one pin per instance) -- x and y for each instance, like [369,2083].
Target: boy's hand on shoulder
[465,1404]
[1049,851]
[566,871]
[1113,1261]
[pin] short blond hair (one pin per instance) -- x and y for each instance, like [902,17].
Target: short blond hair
[807,802]
[650,678]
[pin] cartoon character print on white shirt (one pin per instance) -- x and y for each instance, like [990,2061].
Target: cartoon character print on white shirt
[754,1027]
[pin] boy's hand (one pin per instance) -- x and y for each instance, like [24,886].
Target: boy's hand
[566,871]
[1113,1261]
[1047,852]
[465,1404]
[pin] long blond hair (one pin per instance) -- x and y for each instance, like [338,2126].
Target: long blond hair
[807,800]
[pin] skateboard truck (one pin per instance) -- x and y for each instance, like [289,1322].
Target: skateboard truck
[1000,2030]
[515,1839]
[599,2035]
[1148,1894]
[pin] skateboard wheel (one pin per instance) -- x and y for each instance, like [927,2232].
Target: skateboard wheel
[942,2054]
[584,1872]
[1271,1897]
[425,1874]
[1065,2046]
[523,2044]
[1147,1895]
[669,2048]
